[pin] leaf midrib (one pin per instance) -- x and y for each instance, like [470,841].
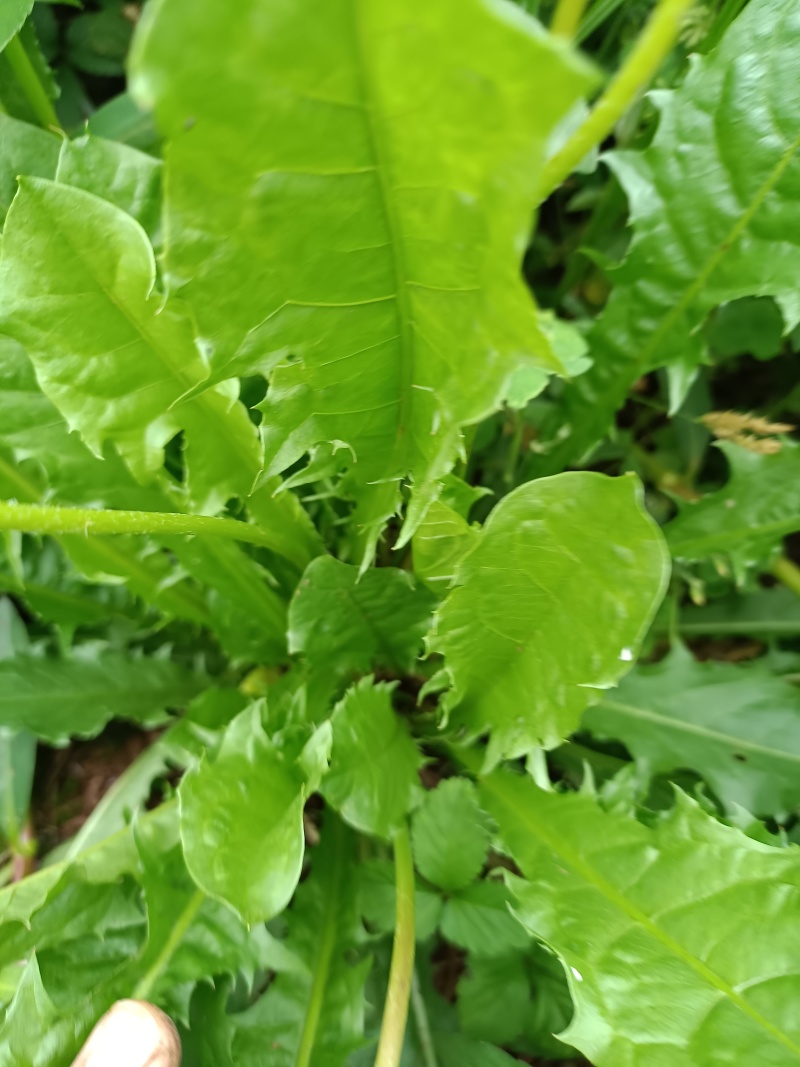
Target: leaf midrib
[728,537]
[560,848]
[730,740]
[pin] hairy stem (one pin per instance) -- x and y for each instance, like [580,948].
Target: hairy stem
[567,18]
[395,1012]
[423,1026]
[41,518]
[30,84]
[787,573]
[657,39]
[327,943]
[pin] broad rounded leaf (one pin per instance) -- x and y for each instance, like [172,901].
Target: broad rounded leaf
[366,213]
[372,779]
[242,821]
[550,607]
[681,943]
[450,834]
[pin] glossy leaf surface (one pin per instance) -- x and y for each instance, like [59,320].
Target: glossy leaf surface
[618,901]
[550,605]
[386,180]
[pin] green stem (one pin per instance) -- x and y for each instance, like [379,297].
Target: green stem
[567,18]
[646,57]
[423,1026]
[327,943]
[177,934]
[512,458]
[395,1012]
[44,519]
[787,572]
[29,82]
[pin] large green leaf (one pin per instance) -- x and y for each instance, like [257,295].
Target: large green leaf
[12,15]
[713,201]
[548,608]
[69,257]
[365,214]
[372,779]
[345,623]
[738,726]
[24,149]
[747,519]
[60,698]
[242,821]
[681,943]
[316,1009]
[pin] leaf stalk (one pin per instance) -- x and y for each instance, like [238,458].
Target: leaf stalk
[647,55]
[567,18]
[30,84]
[395,1012]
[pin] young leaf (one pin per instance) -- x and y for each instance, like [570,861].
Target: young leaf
[372,779]
[550,606]
[345,624]
[67,250]
[450,835]
[442,540]
[242,821]
[314,1015]
[387,180]
[56,699]
[737,725]
[747,519]
[494,999]
[728,138]
[655,928]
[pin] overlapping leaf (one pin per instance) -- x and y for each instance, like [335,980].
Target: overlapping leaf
[364,215]
[551,605]
[450,834]
[747,519]
[713,202]
[681,944]
[24,149]
[738,726]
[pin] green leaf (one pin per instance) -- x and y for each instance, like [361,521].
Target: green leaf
[450,835]
[97,42]
[764,613]
[378,900]
[314,1015]
[746,519]
[549,607]
[17,747]
[344,624]
[65,249]
[242,821]
[736,725]
[655,928]
[121,120]
[494,999]
[442,540]
[723,238]
[406,157]
[12,16]
[456,1050]
[56,699]
[373,780]
[125,177]
[24,149]
[477,918]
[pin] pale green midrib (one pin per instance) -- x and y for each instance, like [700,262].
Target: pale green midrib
[370,97]
[140,327]
[322,965]
[740,533]
[159,965]
[718,254]
[572,859]
[186,603]
[681,725]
